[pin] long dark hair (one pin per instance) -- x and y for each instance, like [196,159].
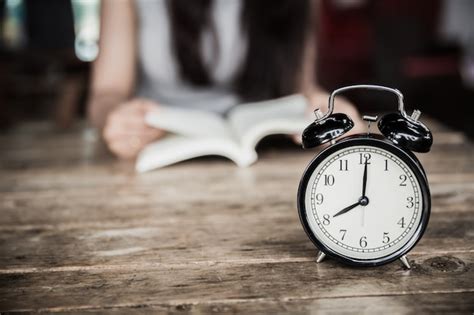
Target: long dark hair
[276,31]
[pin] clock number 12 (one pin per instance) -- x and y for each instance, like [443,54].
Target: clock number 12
[364,158]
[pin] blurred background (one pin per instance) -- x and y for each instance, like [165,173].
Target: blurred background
[425,48]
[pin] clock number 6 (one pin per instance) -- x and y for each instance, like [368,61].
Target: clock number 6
[363,242]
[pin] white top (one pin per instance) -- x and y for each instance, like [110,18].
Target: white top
[223,55]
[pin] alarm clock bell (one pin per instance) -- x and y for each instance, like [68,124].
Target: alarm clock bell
[322,131]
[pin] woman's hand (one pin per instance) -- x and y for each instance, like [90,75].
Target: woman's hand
[126,132]
[318,98]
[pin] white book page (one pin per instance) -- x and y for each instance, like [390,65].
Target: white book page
[189,122]
[176,148]
[194,133]
[253,121]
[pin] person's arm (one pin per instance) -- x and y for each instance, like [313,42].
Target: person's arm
[317,96]
[111,107]
[113,72]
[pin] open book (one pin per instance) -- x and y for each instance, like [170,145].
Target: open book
[193,133]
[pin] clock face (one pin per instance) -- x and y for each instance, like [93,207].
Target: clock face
[364,202]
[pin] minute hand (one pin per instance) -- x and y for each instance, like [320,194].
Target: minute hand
[364,180]
[347,209]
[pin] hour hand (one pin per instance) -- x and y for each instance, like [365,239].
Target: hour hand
[347,209]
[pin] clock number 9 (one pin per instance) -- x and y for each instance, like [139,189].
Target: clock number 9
[319,198]
[363,242]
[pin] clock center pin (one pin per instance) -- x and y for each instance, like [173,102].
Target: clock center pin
[363,201]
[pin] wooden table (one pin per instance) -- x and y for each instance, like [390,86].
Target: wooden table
[81,232]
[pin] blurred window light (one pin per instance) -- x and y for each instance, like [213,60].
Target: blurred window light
[87,28]
[457,24]
[13,28]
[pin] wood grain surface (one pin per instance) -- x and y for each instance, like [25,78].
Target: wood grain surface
[82,232]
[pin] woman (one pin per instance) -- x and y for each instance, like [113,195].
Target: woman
[203,54]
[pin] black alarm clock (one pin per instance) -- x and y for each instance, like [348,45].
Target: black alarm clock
[364,200]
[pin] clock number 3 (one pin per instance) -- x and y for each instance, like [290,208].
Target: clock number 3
[410,202]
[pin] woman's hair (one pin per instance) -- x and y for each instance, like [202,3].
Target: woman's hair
[276,31]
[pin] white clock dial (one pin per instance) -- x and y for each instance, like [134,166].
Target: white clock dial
[377,226]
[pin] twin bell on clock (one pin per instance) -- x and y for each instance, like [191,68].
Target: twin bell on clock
[364,200]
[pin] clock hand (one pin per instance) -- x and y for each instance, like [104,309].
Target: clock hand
[364,180]
[363,201]
[347,209]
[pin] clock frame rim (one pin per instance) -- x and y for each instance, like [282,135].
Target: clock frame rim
[406,156]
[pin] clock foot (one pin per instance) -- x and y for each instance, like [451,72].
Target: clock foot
[320,257]
[405,262]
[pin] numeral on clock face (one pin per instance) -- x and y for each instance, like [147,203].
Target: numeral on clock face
[410,202]
[343,233]
[401,222]
[326,220]
[329,180]
[403,179]
[343,165]
[319,198]
[364,158]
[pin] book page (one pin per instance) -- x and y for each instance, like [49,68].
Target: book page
[251,122]
[189,122]
[195,133]
[176,148]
